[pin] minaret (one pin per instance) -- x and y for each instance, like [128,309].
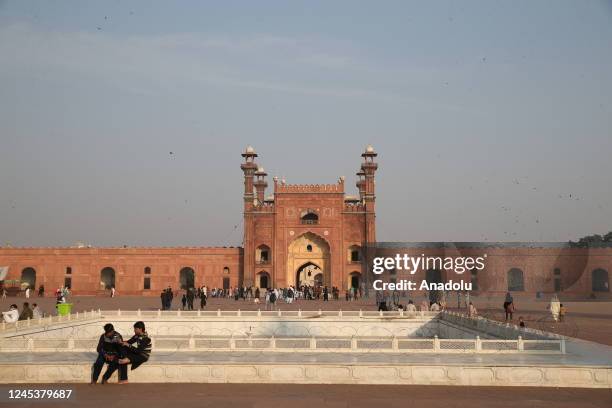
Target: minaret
[260,185]
[369,167]
[249,168]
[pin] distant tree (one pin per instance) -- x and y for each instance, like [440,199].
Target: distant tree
[595,240]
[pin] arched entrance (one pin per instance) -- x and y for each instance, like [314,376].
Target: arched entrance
[28,276]
[434,276]
[263,280]
[516,282]
[354,280]
[309,274]
[187,278]
[600,281]
[308,250]
[107,278]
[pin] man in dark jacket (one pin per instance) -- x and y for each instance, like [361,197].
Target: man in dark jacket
[26,313]
[109,351]
[136,351]
[190,298]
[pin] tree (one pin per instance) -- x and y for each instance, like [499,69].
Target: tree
[595,240]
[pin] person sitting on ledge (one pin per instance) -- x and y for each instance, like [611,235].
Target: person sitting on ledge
[411,307]
[12,315]
[136,355]
[36,312]
[26,313]
[109,350]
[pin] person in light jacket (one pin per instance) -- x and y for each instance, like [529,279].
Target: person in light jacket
[12,315]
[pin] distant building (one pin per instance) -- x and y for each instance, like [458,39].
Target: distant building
[311,234]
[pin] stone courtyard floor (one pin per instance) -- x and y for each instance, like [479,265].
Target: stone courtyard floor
[588,320]
[298,396]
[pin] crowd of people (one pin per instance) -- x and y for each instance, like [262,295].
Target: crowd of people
[271,296]
[27,312]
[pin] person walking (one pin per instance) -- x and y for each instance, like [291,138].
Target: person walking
[272,299]
[507,301]
[190,298]
[472,312]
[203,299]
[555,307]
[184,301]
[162,297]
[509,310]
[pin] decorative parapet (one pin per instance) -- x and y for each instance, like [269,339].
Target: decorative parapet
[349,207]
[281,188]
[264,207]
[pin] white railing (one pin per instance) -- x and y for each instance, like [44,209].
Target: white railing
[48,321]
[497,329]
[360,344]
[266,313]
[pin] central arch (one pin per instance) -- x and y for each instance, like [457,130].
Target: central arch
[306,249]
[187,278]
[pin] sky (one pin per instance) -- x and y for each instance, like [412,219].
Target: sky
[492,120]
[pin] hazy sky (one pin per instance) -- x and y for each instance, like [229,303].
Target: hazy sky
[486,115]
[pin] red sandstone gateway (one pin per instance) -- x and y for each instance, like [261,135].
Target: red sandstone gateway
[311,234]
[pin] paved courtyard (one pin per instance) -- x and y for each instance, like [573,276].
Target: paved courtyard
[297,396]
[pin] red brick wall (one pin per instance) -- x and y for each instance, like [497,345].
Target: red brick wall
[129,263]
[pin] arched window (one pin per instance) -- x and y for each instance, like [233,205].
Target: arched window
[28,277]
[516,282]
[262,254]
[107,278]
[600,282]
[474,278]
[310,217]
[354,253]
[147,278]
[226,271]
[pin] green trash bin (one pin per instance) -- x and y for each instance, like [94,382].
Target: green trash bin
[63,309]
